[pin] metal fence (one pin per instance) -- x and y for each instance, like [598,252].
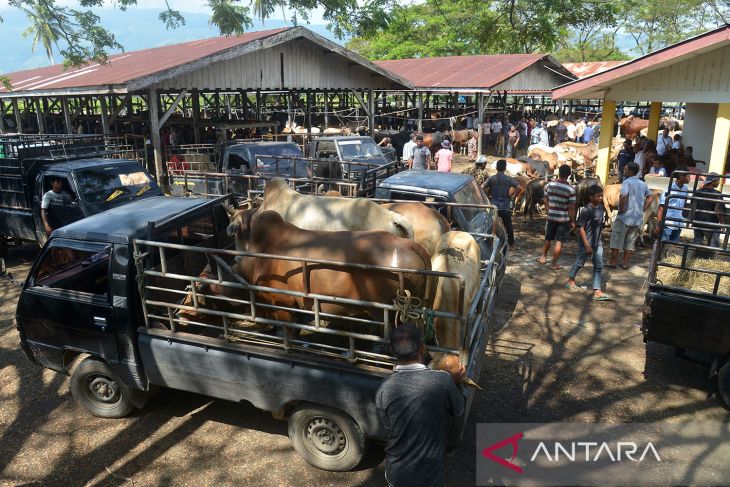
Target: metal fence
[177,295]
[707,255]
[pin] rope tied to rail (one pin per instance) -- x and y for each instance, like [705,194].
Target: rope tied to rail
[409,308]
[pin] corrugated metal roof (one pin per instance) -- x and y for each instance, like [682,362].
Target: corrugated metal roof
[583,70]
[127,66]
[595,85]
[135,70]
[482,72]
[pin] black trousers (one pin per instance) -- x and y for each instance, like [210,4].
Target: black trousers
[506,216]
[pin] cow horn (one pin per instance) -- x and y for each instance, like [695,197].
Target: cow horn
[248,205]
[229,209]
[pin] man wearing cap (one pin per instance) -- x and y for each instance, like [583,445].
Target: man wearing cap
[444,157]
[478,170]
[708,211]
[588,133]
[421,156]
[677,195]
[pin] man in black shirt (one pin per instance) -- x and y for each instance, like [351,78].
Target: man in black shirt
[709,211]
[417,405]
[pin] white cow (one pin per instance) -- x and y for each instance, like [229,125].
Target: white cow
[310,212]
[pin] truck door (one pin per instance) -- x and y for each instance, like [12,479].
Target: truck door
[59,215]
[65,303]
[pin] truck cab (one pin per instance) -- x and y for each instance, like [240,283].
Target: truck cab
[349,150]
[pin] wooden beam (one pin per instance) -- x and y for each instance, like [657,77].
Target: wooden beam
[118,110]
[152,105]
[604,141]
[479,120]
[39,116]
[654,113]
[718,153]
[419,102]
[326,110]
[104,115]
[361,101]
[67,116]
[196,115]
[18,117]
[371,112]
[173,107]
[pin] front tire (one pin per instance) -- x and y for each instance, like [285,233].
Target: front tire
[96,388]
[326,437]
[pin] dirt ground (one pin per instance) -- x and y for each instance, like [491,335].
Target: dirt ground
[553,355]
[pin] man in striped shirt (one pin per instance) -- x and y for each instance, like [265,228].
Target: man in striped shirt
[560,206]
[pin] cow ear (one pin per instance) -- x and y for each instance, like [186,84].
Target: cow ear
[233,228]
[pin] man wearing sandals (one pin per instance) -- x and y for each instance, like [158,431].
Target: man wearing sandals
[635,198]
[560,207]
[590,224]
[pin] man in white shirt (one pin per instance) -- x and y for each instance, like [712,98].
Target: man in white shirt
[408,148]
[486,132]
[496,130]
[571,132]
[664,143]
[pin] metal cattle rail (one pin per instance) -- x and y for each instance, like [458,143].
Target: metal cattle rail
[665,251]
[164,291]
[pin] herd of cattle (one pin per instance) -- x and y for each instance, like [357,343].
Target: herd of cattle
[354,231]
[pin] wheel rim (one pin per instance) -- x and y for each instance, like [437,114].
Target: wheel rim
[324,437]
[103,389]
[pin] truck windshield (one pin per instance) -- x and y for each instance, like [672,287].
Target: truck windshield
[471,193]
[276,150]
[358,149]
[105,187]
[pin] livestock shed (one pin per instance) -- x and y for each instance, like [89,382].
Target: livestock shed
[489,78]
[695,72]
[256,80]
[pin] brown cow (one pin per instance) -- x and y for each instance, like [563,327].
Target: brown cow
[632,126]
[428,224]
[266,232]
[546,154]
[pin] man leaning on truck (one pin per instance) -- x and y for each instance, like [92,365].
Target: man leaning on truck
[55,196]
[416,405]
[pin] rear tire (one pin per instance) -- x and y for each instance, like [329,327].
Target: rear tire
[723,385]
[326,437]
[96,388]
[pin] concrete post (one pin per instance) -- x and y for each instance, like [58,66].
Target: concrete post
[18,117]
[479,119]
[718,154]
[67,116]
[654,113]
[104,115]
[604,141]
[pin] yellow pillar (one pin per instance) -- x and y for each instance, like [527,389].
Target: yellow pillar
[654,113]
[718,155]
[604,141]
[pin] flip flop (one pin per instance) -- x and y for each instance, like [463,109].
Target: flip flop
[605,297]
[557,267]
[610,266]
[575,288]
[541,263]
[625,267]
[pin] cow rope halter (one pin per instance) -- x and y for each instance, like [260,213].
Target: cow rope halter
[408,308]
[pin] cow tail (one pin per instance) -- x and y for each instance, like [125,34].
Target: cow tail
[402,225]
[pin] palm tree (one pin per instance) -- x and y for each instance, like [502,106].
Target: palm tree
[45,28]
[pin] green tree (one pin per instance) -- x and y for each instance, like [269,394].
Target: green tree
[45,28]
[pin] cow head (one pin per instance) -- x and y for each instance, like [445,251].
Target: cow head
[240,228]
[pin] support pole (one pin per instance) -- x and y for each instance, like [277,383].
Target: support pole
[18,117]
[258,105]
[371,109]
[154,110]
[309,116]
[196,115]
[604,142]
[420,112]
[104,115]
[67,116]
[654,113]
[718,153]
[39,116]
[479,119]
[2,118]
[326,109]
